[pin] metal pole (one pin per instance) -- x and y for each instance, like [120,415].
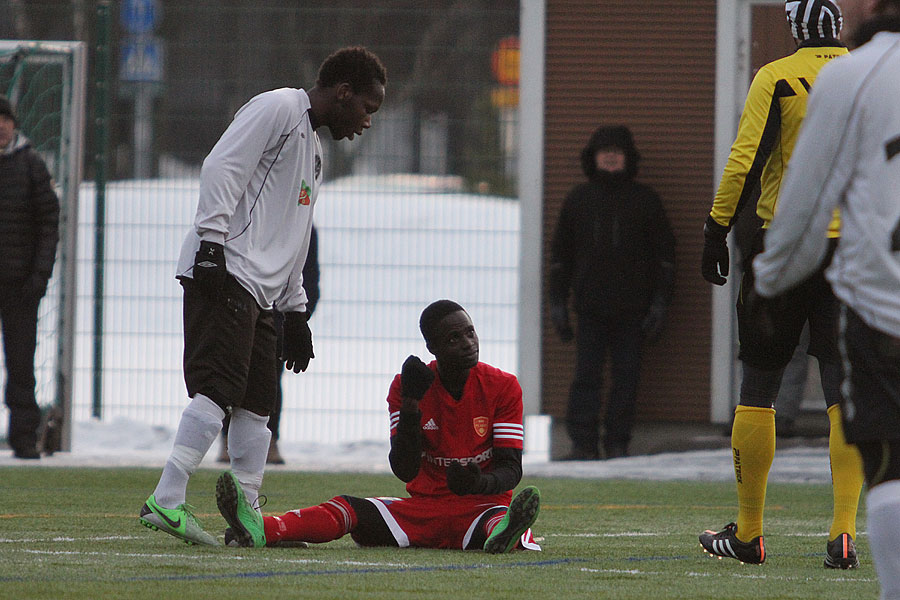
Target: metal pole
[143,126]
[101,128]
[75,148]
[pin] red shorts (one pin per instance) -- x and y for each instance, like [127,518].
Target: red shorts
[424,522]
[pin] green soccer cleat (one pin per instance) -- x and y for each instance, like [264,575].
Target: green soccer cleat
[178,522]
[522,513]
[245,521]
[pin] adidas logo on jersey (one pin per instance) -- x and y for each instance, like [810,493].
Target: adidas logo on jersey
[430,425]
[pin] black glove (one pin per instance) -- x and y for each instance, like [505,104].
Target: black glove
[715,252]
[415,378]
[559,315]
[297,348]
[464,480]
[653,323]
[209,268]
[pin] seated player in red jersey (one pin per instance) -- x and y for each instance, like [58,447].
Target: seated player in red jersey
[456,440]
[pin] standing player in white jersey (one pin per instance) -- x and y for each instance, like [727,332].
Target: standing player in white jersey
[243,258]
[848,156]
[456,440]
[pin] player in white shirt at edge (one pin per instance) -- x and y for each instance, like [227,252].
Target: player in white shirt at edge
[848,157]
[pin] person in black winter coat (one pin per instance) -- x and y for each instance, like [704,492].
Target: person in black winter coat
[29,232]
[614,251]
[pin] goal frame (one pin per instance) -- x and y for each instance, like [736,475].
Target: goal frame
[73,58]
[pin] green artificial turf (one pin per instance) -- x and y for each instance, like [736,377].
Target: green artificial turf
[74,533]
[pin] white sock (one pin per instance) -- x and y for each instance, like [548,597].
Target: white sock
[248,446]
[883,526]
[200,423]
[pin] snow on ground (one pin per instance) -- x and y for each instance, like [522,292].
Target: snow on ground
[127,443]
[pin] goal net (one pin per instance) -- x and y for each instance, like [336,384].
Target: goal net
[45,82]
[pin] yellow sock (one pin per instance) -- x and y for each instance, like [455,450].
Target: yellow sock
[846,477]
[753,448]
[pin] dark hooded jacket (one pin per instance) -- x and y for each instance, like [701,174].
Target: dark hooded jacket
[613,246]
[29,215]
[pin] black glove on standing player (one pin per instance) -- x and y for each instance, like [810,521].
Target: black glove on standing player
[715,252]
[559,316]
[464,480]
[654,321]
[297,349]
[415,378]
[209,268]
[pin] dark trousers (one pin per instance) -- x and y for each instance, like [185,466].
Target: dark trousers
[274,416]
[19,319]
[622,340]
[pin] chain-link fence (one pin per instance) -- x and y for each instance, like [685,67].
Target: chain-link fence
[420,207]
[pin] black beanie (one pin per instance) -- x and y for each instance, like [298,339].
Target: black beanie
[6,108]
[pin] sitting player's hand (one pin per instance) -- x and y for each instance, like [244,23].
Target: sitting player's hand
[415,378]
[463,480]
[297,348]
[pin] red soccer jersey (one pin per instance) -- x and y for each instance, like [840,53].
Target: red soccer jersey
[487,416]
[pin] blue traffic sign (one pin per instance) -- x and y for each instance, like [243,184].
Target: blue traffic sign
[140,16]
[141,60]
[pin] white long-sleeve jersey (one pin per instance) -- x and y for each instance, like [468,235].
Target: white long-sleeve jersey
[847,155]
[258,187]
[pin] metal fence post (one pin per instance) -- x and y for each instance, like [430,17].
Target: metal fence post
[101,129]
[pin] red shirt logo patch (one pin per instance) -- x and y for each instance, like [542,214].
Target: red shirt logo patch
[304,194]
[481,425]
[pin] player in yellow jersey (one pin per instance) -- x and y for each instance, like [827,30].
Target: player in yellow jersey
[769,331]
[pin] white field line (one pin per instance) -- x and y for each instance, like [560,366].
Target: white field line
[70,539]
[597,535]
[734,575]
[658,534]
[257,558]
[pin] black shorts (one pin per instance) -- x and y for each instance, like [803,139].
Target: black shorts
[811,301]
[229,348]
[871,403]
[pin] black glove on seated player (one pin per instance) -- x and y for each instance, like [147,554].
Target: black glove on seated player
[415,378]
[464,480]
[209,268]
[715,252]
[297,349]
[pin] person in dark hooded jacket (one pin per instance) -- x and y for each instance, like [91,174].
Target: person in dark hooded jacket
[614,251]
[29,232]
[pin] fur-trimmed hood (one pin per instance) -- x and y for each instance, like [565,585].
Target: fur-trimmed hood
[617,136]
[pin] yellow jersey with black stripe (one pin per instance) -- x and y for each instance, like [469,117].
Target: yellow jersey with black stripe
[768,129]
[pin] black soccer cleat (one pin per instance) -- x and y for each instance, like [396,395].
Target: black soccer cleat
[725,544]
[841,553]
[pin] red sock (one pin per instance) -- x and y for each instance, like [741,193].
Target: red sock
[323,523]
